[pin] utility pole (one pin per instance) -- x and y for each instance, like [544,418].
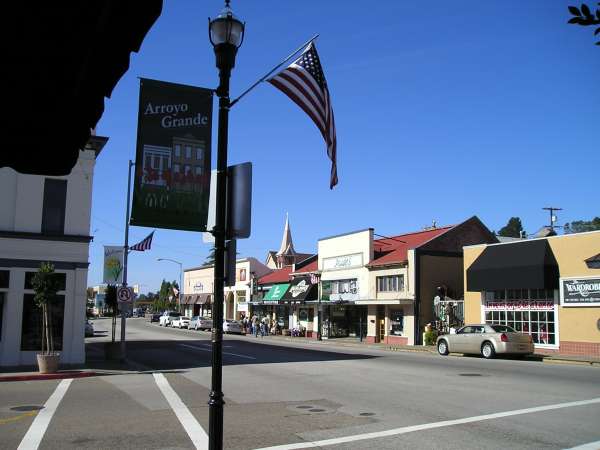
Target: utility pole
[552,216]
[124,307]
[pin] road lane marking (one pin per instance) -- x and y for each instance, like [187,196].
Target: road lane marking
[188,421]
[195,347]
[428,426]
[34,435]
[588,446]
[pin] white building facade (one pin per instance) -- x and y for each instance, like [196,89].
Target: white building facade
[45,219]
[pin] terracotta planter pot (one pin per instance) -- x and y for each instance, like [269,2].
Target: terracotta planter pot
[48,363]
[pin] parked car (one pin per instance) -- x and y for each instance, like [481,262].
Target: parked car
[89,329]
[180,322]
[167,317]
[232,326]
[155,318]
[200,323]
[488,340]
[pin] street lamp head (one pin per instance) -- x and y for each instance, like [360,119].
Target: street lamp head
[226,34]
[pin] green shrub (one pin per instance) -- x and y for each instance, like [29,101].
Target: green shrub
[430,337]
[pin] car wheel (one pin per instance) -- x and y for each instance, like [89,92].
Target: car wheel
[442,347]
[487,350]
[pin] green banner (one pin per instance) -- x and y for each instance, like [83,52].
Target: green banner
[172,164]
[276,292]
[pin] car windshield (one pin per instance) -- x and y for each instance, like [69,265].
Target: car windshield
[502,329]
[185,318]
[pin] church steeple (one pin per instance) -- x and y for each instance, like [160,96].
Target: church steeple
[286,254]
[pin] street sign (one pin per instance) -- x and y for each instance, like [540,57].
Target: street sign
[125,294]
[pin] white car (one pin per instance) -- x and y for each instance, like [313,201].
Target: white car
[168,317]
[232,326]
[200,323]
[181,322]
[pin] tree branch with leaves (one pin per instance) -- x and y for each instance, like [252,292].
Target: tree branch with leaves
[46,286]
[583,16]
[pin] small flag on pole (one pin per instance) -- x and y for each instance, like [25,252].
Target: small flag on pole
[304,83]
[144,244]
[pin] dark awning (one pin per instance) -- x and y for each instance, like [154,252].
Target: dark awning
[301,290]
[188,299]
[64,59]
[203,299]
[526,264]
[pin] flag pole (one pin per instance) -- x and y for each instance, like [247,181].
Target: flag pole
[291,55]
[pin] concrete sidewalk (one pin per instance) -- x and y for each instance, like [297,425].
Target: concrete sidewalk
[355,343]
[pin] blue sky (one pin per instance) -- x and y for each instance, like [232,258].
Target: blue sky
[444,110]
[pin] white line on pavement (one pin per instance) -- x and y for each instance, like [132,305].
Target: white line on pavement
[195,347]
[428,426]
[589,446]
[188,421]
[34,435]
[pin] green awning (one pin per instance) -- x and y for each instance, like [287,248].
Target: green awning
[276,292]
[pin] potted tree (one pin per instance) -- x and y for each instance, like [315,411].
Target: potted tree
[45,285]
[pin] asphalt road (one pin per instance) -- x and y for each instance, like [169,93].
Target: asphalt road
[322,396]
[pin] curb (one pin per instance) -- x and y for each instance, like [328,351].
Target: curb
[47,376]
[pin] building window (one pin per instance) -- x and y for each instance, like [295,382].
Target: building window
[188,151]
[198,170]
[187,169]
[2,295]
[55,202]
[177,150]
[4,279]
[529,311]
[31,330]
[241,296]
[343,287]
[199,154]
[391,283]
[176,168]
[61,278]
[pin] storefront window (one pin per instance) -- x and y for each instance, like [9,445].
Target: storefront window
[396,323]
[61,278]
[529,311]
[31,331]
[2,295]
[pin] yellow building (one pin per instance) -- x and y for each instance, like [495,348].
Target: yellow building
[547,287]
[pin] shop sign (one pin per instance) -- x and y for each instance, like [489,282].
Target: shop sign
[582,291]
[522,305]
[299,289]
[198,287]
[343,262]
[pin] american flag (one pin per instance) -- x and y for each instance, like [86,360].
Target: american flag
[144,244]
[303,81]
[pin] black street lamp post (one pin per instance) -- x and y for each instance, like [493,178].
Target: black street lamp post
[226,34]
